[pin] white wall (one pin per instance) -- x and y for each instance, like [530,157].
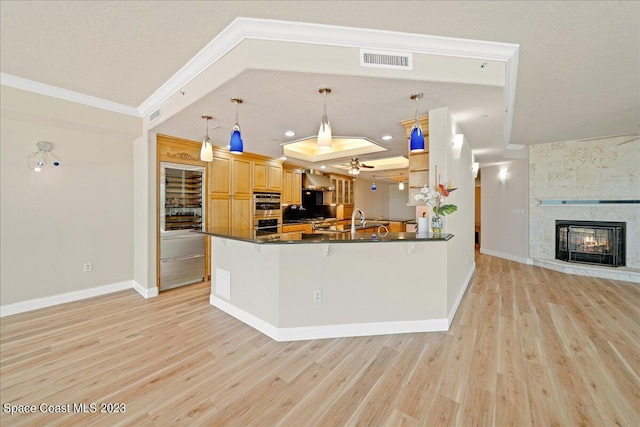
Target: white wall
[55,221]
[505,211]
[387,201]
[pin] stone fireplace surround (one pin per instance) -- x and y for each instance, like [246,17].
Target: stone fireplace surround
[583,172]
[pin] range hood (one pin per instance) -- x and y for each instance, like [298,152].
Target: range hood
[314,180]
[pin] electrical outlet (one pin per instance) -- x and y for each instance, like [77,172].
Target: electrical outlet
[317,295]
[88,266]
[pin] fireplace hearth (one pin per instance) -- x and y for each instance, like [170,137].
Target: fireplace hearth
[591,242]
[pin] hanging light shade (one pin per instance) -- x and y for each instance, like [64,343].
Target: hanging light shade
[374,187]
[206,151]
[417,136]
[401,184]
[235,144]
[324,134]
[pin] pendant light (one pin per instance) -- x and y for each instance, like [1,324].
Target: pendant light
[43,157]
[206,152]
[235,144]
[324,134]
[401,184]
[417,136]
[374,187]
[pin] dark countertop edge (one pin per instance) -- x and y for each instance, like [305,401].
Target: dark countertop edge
[411,237]
[406,221]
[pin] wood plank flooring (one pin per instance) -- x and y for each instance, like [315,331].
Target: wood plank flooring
[528,347]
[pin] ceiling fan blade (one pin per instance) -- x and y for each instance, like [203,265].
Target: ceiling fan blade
[362,165]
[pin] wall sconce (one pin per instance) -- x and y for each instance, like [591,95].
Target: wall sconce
[43,157]
[456,145]
[475,168]
[503,176]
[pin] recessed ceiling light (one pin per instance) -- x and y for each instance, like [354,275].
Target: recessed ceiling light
[387,137]
[289,133]
[323,167]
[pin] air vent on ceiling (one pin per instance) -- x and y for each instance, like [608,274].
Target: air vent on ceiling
[386,59]
[154,115]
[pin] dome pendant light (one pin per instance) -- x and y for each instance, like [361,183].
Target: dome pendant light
[324,134]
[417,136]
[235,145]
[206,152]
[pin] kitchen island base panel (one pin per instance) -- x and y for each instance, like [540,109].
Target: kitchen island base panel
[367,288]
[330,331]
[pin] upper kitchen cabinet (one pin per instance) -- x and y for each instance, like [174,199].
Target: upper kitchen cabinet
[418,162]
[229,191]
[177,150]
[343,193]
[267,175]
[291,186]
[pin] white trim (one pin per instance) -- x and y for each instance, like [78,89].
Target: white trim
[505,255]
[467,280]
[145,292]
[65,94]
[330,35]
[329,331]
[34,304]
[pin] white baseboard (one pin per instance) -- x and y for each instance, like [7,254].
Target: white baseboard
[145,292]
[34,304]
[329,331]
[467,280]
[505,255]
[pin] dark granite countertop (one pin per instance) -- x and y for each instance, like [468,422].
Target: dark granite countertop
[327,237]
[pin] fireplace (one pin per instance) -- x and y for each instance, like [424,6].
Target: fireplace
[591,242]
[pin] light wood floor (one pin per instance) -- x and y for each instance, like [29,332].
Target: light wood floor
[528,346]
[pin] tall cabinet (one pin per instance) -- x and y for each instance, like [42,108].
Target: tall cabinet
[229,191]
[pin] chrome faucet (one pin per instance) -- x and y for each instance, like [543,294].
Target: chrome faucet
[353,219]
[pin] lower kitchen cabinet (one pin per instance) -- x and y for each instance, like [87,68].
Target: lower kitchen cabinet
[303,228]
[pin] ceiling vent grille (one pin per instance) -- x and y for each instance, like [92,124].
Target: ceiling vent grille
[154,115]
[386,59]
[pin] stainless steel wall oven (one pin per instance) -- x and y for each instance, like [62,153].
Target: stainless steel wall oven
[267,213]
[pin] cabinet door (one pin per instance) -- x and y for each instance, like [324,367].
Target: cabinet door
[296,188]
[275,177]
[241,213]
[220,176]
[347,191]
[260,172]
[334,193]
[340,191]
[287,186]
[220,212]
[241,183]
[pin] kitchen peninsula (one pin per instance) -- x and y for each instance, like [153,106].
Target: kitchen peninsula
[297,286]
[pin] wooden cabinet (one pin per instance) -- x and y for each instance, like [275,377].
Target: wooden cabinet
[302,228]
[396,227]
[291,186]
[343,193]
[230,191]
[418,162]
[267,175]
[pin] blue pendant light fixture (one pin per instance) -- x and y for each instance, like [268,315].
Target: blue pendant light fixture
[374,187]
[235,145]
[417,136]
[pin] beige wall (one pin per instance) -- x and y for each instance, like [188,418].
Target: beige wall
[55,221]
[387,201]
[505,211]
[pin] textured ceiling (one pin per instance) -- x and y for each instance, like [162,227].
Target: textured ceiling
[578,72]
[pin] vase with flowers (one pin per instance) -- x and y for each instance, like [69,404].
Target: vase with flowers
[435,198]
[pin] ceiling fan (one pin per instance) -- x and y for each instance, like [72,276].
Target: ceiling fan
[355,165]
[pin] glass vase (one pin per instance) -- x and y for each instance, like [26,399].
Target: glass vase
[436,225]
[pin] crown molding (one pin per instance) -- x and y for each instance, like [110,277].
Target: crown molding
[330,35]
[65,94]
